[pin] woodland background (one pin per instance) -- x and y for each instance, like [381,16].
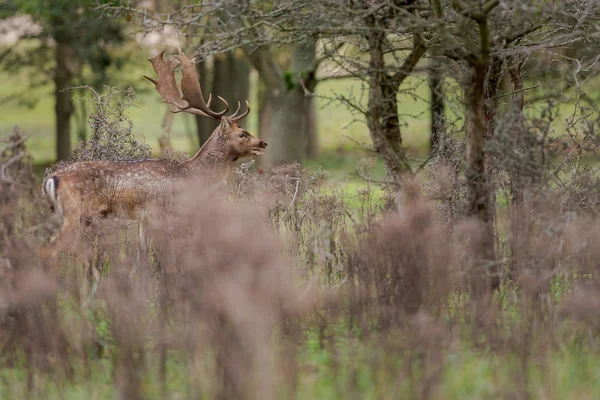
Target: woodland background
[424,223]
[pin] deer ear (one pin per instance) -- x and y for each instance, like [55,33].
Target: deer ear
[225,128]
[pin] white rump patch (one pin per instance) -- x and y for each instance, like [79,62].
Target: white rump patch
[49,189]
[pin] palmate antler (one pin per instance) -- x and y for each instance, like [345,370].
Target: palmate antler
[192,100]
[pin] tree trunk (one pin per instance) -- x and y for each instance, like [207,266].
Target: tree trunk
[240,78]
[204,125]
[517,185]
[303,62]
[222,85]
[266,102]
[81,120]
[382,116]
[231,81]
[265,105]
[436,80]
[164,141]
[518,102]
[290,112]
[494,79]
[490,106]
[478,186]
[312,134]
[478,205]
[63,107]
[287,128]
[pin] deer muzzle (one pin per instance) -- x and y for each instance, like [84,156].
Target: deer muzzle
[260,149]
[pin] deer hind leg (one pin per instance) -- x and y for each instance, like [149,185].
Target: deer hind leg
[51,252]
[66,237]
[71,215]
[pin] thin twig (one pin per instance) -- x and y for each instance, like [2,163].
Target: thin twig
[4,177]
[425,162]
[517,91]
[12,145]
[295,193]
[371,180]
[363,146]
[293,199]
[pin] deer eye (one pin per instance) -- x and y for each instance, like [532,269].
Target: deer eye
[243,134]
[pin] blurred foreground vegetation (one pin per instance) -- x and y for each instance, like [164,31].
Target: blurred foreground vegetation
[461,269]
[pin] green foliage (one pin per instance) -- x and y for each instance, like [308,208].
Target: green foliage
[290,84]
[90,37]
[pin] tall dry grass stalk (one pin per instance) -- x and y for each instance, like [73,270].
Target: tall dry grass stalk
[237,289]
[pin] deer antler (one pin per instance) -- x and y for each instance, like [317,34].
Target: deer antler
[234,117]
[165,85]
[192,92]
[192,100]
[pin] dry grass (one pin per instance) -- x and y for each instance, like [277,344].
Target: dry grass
[242,296]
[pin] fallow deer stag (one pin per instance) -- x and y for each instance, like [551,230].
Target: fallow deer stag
[123,189]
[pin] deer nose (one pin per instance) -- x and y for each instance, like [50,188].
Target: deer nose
[263,144]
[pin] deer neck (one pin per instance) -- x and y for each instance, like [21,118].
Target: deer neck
[213,158]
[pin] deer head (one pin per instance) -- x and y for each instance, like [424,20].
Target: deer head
[236,141]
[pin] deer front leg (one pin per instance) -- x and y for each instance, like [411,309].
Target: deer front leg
[70,208]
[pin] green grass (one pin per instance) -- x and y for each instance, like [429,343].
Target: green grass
[466,375]
[569,373]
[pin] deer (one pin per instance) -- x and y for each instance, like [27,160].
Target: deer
[124,189]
